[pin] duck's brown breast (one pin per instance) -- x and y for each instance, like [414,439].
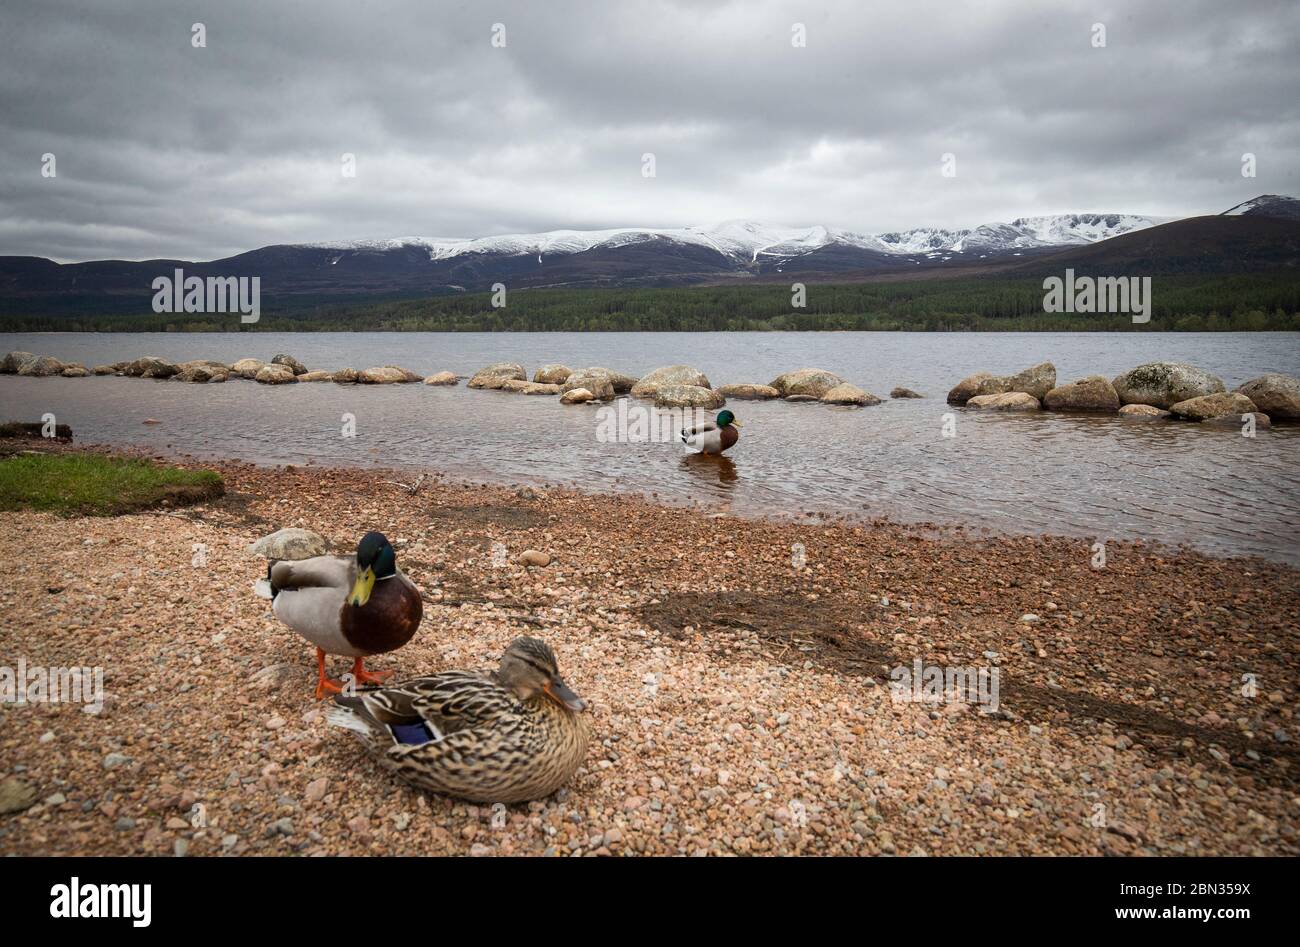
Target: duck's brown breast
[388,620]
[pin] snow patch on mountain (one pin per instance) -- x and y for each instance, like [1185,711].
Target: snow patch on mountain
[751,241]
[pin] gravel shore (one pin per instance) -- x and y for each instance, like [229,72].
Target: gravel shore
[738,673]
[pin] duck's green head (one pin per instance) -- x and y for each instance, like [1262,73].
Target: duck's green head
[724,418]
[376,559]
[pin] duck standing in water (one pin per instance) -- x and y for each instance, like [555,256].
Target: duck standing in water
[351,606]
[509,736]
[713,437]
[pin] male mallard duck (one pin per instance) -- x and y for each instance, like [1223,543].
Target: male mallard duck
[354,607]
[511,736]
[713,437]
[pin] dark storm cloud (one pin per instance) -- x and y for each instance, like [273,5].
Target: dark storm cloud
[167,150]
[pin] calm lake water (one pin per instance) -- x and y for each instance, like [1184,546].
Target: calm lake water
[1097,478]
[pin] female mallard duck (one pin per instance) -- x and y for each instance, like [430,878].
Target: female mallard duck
[713,437]
[511,736]
[351,606]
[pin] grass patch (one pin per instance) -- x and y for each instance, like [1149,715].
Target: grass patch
[93,485]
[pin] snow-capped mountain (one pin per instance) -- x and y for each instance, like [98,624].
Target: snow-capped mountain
[752,242]
[1258,234]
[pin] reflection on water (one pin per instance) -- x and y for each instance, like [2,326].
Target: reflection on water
[1093,477]
[711,468]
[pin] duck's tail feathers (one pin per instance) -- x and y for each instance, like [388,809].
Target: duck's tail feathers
[262,589]
[348,718]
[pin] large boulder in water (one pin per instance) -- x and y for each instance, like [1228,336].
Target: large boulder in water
[669,376]
[42,367]
[1213,406]
[747,392]
[1142,412]
[443,379]
[15,361]
[844,393]
[201,371]
[297,367]
[530,387]
[345,376]
[595,380]
[276,375]
[1007,401]
[810,382]
[1164,384]
[972,386]
[1276,395]
[150,366]
[577,396]
[1036,380]
[552,374]
[386,375]
[1094,393]
[687,396]
[496,375]
[247,367]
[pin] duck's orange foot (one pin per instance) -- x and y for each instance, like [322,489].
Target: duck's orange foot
[362,676]
[327,686]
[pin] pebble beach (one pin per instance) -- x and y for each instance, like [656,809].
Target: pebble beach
[737,670]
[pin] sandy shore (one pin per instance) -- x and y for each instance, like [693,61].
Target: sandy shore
[741,705]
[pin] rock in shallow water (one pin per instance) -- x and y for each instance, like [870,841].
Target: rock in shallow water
[1213,406]
[669,376]
[598,381]
[812,382]
[905,393]
[844,393]
[442,378]
[552,374]
[1094,393]
[1142,412]
[1276,395]
[747,392]
[1007,401]
[577,396]
[497,374]
[687,396]
[1164,384]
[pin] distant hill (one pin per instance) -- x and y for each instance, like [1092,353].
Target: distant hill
[1210,245]
[1260,234]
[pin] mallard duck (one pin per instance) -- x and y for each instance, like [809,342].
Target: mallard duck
[713,437]
[509,736]
[351,606]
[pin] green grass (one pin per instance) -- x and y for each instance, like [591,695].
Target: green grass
[90,484]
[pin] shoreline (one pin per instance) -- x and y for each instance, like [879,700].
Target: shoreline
[740,705]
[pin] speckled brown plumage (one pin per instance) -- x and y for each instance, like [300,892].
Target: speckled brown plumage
[487,746]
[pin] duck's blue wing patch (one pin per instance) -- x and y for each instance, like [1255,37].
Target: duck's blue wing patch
[411,733]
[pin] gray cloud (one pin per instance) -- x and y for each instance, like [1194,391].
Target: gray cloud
[167,150]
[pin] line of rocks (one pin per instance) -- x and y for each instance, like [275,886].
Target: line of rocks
[675,386]
[1152,391]
[281,369]
[672,386]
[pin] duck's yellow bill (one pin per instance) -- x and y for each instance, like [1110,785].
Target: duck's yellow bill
[735,423]
[362,588]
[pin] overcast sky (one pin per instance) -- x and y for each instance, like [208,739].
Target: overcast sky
[167,150]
